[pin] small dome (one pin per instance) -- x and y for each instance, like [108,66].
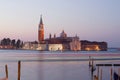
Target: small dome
[63,34]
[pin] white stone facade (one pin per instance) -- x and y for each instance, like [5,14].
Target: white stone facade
[75,44]
[50,47]
[55,47]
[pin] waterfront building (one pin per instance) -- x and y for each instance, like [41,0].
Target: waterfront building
[30,45]
[68,43]
[55,47]
[93,46]
[55,43]
[75,44]
[63,42]
[42,47]
[6,47]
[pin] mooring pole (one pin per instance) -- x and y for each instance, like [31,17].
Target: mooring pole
[111,73]
[92,69]
[98,72]
[118,72]
[101,74]
[19,69]
[6,70]
[89,61]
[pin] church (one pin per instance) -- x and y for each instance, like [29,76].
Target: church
[62,42]
[53,43]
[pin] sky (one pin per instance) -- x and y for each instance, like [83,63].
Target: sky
[93,20]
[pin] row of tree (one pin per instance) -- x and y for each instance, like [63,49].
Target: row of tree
[11,42]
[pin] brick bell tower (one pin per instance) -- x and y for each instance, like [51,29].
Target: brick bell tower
[41,31]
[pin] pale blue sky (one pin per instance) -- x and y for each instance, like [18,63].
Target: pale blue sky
[94,20]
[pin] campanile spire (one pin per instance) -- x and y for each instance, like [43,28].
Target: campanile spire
[41,22]
[41,30]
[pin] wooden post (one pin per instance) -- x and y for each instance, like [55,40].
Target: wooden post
[118,72]
[101,74]
[19,69]
[89,62]
[96,77]
[111,73]
[98,72]
[92,63]
[6,70]
[92,66]
[92,69]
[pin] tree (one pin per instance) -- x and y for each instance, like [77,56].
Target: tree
[13,43]
[18,43]
[3,42]
[21,45]
[8,41]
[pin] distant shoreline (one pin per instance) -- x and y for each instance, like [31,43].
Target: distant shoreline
[57,50]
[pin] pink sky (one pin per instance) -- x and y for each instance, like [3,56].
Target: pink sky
[90,20]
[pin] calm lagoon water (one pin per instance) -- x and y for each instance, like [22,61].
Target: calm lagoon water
[44,65]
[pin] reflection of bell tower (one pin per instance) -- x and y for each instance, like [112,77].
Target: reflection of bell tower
[41,31]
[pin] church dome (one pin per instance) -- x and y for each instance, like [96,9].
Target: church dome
[63,34]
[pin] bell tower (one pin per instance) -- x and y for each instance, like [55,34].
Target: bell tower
[41,31]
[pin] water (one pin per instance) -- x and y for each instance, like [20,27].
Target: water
[44,65]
